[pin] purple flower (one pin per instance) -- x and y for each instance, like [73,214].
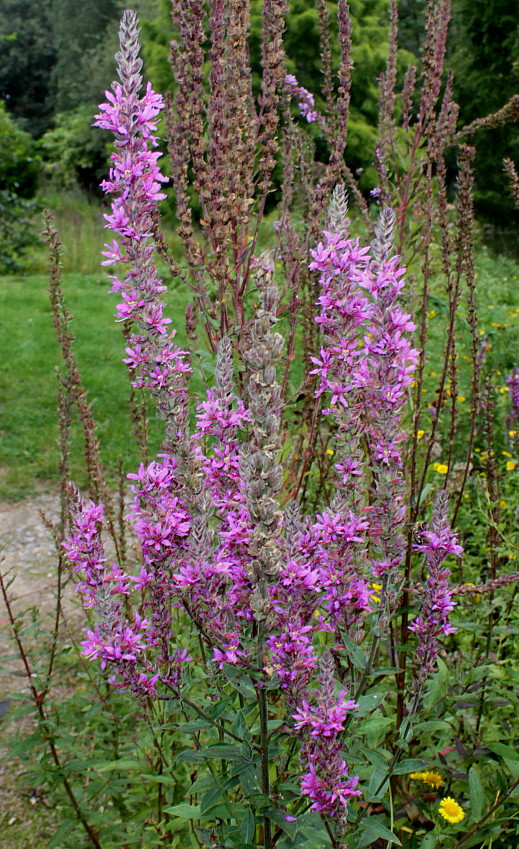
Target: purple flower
[305,101]
[437,602]
[513,385]
[321,720]
[135,180]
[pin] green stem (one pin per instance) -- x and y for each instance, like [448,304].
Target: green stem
[264,740]
[204,715]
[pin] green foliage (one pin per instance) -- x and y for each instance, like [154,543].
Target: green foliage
[116,757]
[16,230]
[27,54]
[84,34]
[73,153]
[486,75]
[18,179]
[19,165]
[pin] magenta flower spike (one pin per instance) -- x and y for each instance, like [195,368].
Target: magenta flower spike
[135,180]
[513,385]
[433,619]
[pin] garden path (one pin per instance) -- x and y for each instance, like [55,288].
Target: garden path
[28,557]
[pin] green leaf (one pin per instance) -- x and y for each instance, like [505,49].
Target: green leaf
[123,764]
[357,656]
[248,779]
[196,725]
[240,727]
[504,751]
[187,812]
[191,756]
[439,686]
[409,765]
[162,779]
[431,725]
[376,723]
[278,815]
[239,681]
[374,830]
[477,794]
[225,751]
[513,766]
[205,782]
[377,757]
[377,784]
[211,798]
[369,702]
[248,827]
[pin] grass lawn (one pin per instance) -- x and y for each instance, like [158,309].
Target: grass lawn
[28,424]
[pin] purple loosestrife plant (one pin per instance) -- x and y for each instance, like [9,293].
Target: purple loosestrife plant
[243,613]
[135,180]
[513,385]
[365,367]
[437,601]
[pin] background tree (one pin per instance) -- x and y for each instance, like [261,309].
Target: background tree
[19,169]
[27,56]
[486,75]
[81,67]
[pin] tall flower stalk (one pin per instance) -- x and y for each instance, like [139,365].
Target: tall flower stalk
[438,602]
[135,180]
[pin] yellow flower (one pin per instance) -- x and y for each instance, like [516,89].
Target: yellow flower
[512,433]
[502,504]
[330,452]
[450,810]
[376,596]
[433,779]
[441,468]
[420,434]
[510,466]
[505,454]
[503,389]
[461,398]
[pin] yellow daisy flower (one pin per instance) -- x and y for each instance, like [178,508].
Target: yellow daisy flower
[433,779]
[450,810]
[441,468]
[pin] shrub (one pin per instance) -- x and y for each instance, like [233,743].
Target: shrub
[19,169]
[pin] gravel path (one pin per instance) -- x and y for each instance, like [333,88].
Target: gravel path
[28,551]
[29,563]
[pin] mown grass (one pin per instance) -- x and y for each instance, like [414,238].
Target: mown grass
[28,384]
